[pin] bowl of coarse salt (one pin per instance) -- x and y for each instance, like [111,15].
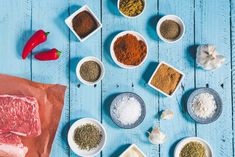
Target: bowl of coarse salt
[127,110]
[204,105]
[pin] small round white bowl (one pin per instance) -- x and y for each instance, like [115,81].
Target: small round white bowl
[90,58]
[75,148]
[139,37]
[177,20]
[131,17]
[184,141]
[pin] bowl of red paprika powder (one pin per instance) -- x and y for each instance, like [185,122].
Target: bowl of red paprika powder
[129,49]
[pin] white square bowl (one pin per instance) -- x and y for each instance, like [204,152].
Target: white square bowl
[130,147]
[182,77]
[68,21]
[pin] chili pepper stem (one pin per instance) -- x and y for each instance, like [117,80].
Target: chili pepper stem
[46,33]
[58,53]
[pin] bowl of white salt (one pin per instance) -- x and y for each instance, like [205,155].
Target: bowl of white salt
[204,105]
[127,110]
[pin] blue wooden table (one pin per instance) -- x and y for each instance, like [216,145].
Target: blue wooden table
[207,21]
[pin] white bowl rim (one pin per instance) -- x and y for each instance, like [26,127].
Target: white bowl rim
[171,17]
[160,63]
[131,146]
[76,124]
[131,17]
[139,37]
[189,139]
[69,18]
[90,58]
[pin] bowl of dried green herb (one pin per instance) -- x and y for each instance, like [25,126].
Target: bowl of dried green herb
[87,137]
[90,70]
[193,146]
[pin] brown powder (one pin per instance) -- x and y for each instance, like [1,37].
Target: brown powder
[166,79]
[129,50]
[170,29]
[84,23]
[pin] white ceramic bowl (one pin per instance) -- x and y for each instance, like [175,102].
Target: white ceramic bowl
[133,146]
[139,37]
[183,142]
[90,58]
[131,17]
[162,62]
[74,146]
[68,21]
[173,18]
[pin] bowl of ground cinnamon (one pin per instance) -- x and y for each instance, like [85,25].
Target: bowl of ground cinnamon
[129,49]
[166,79]
[170,28]
[83,23]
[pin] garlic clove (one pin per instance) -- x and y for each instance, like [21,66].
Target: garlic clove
[167,114]
[157,137]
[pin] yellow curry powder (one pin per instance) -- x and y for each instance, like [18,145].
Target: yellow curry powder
[166,79]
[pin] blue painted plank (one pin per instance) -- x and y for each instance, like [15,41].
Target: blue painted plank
[119,80]
[179,56]
[232,29]
[212,22]
[15,29]
[49,16]
[85,101]
[94,101]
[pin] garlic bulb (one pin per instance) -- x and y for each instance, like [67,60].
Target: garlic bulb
[156,136]
[167,114]
[207,57]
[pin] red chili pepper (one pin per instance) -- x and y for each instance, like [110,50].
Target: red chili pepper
[37,38]
[52,54]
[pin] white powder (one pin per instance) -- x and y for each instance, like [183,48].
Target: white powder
[204,105]
[127,110]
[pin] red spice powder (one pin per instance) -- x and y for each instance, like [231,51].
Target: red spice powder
[129,50]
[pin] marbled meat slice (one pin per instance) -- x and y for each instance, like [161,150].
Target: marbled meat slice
[19,115]
[11,146]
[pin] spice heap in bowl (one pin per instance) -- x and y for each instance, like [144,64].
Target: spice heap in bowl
[90,70]
[83,23]
[193,147]
[131,8]
[127,110]
[170,28]
[87,137]
[166,79]
[204,105]
[129,49]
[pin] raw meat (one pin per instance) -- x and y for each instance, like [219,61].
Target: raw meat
[19,115]
[11,146]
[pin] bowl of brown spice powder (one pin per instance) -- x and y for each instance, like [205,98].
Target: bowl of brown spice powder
[83,23]
[129,49]
[166,79]
[170,28]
